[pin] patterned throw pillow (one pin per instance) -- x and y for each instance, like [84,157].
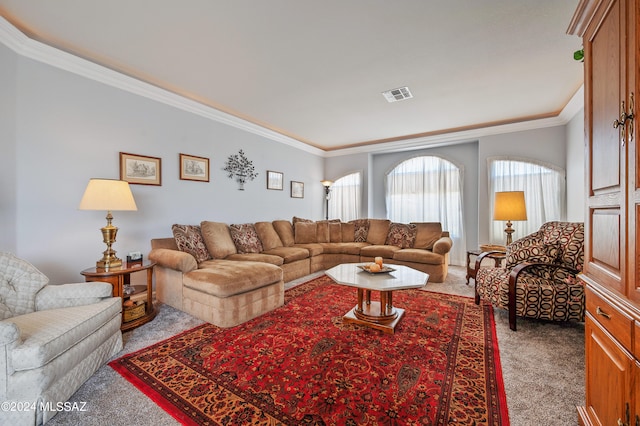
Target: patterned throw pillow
[401,235]
[530,249]
[189,240]
[361,230]
[246,238]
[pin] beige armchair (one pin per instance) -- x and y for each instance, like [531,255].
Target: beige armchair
[52,339]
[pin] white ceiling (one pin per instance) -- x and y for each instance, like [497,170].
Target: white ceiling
[315,70]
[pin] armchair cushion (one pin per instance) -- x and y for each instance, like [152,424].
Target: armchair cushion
[19,283]
[531,248]
[47,334]
[67,295]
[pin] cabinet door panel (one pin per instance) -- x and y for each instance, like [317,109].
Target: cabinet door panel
[609,370]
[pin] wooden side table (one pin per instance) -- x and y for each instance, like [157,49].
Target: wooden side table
[120,278]
[471,271]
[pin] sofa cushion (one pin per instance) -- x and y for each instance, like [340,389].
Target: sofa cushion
[245,238]
[401,235]
[379,250]
[348,231]
[284,228]
[305,232]
[289,254]
[217,237]
[335,232]
[343,248]
[227,277]
[427,233]
[19,283]
[378,231]
[189,240]
[296,219]
[314,249]
[361,229]
[419,256]
[268,235]
[253,257]
[47,334]
[322,231]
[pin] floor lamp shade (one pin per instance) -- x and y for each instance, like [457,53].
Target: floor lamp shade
[109,195]
[509,205]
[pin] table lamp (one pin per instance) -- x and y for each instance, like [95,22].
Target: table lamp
[509,206]
[327,192]
[108,194]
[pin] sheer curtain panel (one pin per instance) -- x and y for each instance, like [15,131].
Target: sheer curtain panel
[344,200]
[428,189]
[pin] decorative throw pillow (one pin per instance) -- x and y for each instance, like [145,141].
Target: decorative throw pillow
[530,249]
[189,240]
[401,235]
[246,238]
[361,230]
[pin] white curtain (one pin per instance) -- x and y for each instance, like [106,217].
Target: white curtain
[428,189]
[544,194]
[345,196]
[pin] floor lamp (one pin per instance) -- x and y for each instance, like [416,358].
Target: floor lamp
[509,206]
[327,192]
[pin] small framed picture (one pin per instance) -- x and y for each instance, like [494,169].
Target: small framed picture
[297,189]
[194,168]
[140,169]
[275,180]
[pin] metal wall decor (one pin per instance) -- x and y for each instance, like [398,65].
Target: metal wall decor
[240,168]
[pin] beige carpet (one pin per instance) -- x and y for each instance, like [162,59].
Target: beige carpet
[543,367]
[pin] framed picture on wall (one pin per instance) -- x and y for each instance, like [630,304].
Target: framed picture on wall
[140,169]
[275,180]
[297,189]
[194,168]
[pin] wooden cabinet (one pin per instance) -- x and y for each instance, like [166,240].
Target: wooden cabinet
[609,31]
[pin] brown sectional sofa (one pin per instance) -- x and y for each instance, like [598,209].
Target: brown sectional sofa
[229,274]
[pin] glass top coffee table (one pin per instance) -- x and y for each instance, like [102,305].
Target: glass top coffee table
[381,315]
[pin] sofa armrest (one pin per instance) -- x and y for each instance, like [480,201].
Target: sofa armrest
[443,245]
[67,295]
[174,259]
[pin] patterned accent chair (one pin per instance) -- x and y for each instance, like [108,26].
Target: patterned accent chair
[538,279]
[52,339]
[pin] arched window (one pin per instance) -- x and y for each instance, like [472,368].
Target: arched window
[428,189]
[344,201]
[544,193]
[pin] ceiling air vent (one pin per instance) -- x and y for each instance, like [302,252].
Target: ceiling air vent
[399,94]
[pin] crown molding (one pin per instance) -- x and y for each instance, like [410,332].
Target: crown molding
[573,107]
[24,46]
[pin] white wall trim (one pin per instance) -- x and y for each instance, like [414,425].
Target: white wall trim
[29,48]
[24,46]
[569,111]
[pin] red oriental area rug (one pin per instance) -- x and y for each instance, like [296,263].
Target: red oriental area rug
[300,365]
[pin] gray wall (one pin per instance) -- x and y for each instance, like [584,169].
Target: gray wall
[8,196]
[69,129]
[575,169]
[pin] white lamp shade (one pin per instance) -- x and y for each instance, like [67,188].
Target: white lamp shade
[509,206]
[107,194]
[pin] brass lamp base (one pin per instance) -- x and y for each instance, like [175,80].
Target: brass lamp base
[509,230]
[109,259]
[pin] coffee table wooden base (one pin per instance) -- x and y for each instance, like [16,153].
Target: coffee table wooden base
[380,315]
[386,327]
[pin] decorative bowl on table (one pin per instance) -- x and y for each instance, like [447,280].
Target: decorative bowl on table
[383,270]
